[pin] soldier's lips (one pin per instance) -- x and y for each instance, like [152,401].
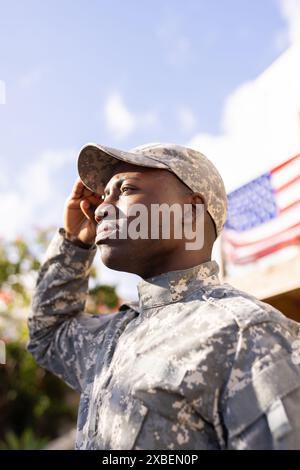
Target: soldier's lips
[105,231]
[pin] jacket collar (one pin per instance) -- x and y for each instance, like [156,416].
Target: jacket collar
[174,286]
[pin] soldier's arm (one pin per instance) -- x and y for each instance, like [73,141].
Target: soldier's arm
[62,337]
[262,404]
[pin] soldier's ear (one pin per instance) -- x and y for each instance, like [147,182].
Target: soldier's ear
[196,200]
[193,208]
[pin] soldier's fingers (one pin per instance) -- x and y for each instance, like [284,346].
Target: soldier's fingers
[80,190]
[88,210]
[77,189]
[87,192]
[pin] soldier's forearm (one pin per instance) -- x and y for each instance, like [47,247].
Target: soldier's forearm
[61,335]
[62,283]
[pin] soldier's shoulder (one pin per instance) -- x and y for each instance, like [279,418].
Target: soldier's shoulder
[243,308]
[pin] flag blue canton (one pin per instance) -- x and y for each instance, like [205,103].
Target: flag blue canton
[251,205]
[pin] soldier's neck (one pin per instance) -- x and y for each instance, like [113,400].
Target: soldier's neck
[178,261]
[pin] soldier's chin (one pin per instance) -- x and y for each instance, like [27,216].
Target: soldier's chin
[115,255]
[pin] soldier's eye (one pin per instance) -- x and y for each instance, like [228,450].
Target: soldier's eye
[125,189]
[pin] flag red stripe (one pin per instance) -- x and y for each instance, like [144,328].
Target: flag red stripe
[282,165]
[284,209]
[268,251]
[287,184]
[242,245]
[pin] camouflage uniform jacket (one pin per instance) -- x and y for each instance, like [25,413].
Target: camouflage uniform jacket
[195,364]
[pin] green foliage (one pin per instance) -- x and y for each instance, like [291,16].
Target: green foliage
[32,398]
[26,441]
[102,295]
[35,406]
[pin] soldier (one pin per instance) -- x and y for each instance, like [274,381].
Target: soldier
[195,363]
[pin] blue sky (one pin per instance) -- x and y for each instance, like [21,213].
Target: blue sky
[61,60]
[121,73]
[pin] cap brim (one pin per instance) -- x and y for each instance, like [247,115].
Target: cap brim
[96,164]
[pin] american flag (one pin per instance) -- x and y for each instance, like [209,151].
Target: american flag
[264,214]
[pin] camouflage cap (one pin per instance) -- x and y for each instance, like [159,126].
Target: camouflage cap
[96,163]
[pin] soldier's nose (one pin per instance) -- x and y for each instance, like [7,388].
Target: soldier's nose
[100,213]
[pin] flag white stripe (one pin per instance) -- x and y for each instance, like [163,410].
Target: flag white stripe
[244,252]
[285,174]
[288,195]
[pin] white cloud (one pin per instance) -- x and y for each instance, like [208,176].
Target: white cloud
[119,120]
[186,119]
[291,12]
[122,122]
[33,197]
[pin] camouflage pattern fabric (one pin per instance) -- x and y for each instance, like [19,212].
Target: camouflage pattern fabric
[195,364]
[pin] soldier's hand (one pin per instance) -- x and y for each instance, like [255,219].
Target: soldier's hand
[79,212]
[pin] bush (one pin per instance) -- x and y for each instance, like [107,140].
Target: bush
[35,406]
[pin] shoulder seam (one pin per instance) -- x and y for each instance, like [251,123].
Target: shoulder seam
[241,327]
